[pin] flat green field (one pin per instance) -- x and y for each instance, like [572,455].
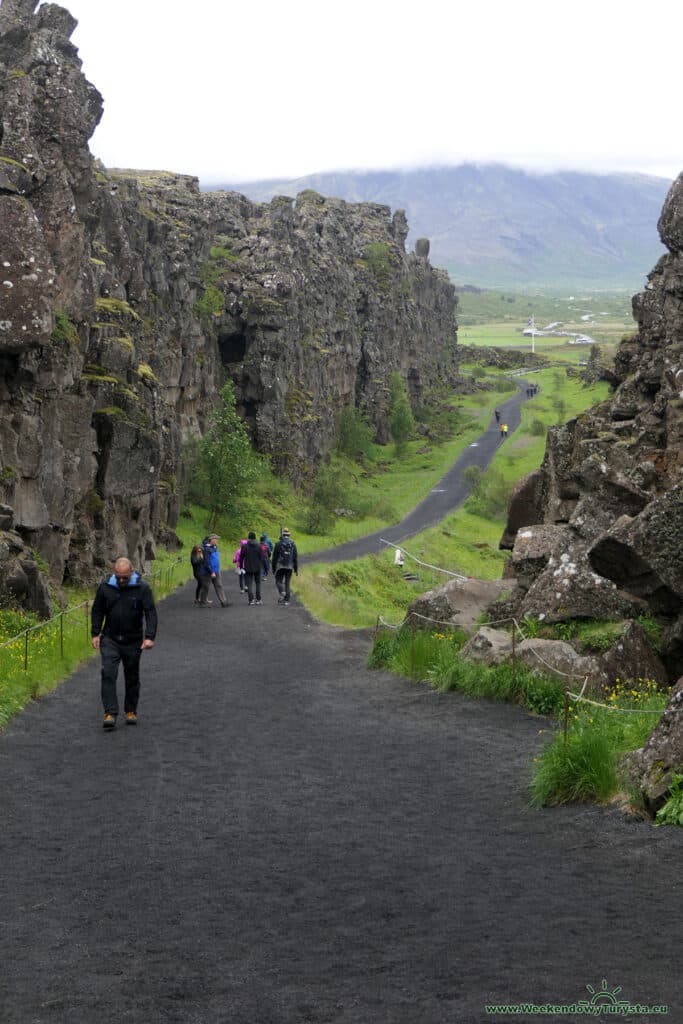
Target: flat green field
[496,319]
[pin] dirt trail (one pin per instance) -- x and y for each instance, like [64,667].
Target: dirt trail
[448,494]
[288,837]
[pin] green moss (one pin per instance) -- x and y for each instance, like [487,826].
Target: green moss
[64,330]
[125,341]
[15,73]
[115,307]
[97,263]
[110,410]
[125,392]
[13,163]
[93,502]
[146,373]
[99,378]
[8,474]
[212,303]
[221,252]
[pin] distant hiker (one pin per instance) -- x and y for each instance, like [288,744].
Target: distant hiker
[238,567]
[284,561]
[123,624]
[197,561]
[211,572]
[504,431]
[398,558]
[265,539]
[252,558]
[497,415]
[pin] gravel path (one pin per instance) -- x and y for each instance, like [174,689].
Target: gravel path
[288,837]
[448,494]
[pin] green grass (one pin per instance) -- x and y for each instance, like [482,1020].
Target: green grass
[586,765]
[433,655]
[464,542]
[497,319]
[35,656]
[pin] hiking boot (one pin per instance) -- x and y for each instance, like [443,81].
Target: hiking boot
[286,601]
[259,601]
[131,718]
[109,721]
[280,599]
[250,603]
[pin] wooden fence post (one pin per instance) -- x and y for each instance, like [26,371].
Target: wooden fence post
[514,657]
[412,643]
[566,715]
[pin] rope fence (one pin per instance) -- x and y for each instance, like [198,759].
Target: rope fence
[58,630]
[577,698]
[425,565]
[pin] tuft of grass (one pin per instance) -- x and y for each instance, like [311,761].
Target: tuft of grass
[586,765]
[434,655]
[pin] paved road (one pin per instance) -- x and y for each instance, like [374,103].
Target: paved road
[448,494]
[288,837]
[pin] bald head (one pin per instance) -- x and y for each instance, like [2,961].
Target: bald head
[123,570]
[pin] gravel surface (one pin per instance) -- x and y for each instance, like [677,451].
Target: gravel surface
[289,837]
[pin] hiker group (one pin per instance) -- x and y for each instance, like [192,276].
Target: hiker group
[253,561]
[503,426]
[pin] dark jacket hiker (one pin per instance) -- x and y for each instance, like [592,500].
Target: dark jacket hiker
[253,560]
[285,561]
[118,611]
[123,624]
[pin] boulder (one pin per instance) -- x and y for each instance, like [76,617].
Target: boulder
[488,646]
[569,589]
[461,602]
[632,658]
[651,767]
[644,553]
[560,658]
[525,508]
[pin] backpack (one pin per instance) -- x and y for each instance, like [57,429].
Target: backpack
[285,558]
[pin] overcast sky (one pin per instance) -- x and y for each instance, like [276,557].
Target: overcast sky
[238,91]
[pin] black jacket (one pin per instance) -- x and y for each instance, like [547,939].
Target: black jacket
[118,612]
[252,557]
[277,560]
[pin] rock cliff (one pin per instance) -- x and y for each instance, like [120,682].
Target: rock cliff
[597,531]
[128,297]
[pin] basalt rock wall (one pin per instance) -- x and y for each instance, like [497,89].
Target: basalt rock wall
[597,532]
[128,297]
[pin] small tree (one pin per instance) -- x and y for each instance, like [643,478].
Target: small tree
[401,421]
[327,494]
[355,433]
[227,463]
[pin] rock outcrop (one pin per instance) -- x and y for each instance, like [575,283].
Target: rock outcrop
[596,533]
[128,297]
[651,768]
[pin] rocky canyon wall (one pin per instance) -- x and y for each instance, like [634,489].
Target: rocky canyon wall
[128,297]
[597,532]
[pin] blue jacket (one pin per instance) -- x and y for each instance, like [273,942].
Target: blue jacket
[212,560]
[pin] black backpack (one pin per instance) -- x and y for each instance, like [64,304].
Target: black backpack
[285,558]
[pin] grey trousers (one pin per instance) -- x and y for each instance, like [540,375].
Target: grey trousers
[205,582]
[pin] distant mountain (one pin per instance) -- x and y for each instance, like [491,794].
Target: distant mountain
[493,226]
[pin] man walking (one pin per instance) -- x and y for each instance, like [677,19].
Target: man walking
[252,560]
[211,572]
[284,562]
[123,625]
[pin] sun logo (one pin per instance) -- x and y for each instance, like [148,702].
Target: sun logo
[604,996]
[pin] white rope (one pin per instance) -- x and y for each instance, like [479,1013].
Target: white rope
[608,707]
[436,568]
[576,697]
